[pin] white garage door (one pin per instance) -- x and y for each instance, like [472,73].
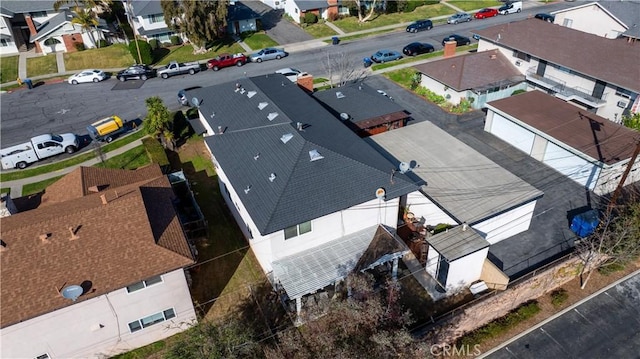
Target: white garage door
[516,135]
[570,165]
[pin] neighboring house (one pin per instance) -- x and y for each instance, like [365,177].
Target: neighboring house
[597,74]
[324,9]
[363,109]
[478,77]
[241,18]
[610,19]
[579,144]
[299,183]
[114,236]
[482,202]
[147,20]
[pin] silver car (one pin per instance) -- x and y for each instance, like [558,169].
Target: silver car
[459,17]
[268,53]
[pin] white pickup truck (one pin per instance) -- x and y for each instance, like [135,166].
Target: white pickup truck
[178,68]
[39,147]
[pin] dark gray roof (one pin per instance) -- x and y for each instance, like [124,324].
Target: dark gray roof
[240,11]
[146,7]
[52,24]
[22,6]
[305,5]
[456,243]
[158,31]
[250,150]
[359,101]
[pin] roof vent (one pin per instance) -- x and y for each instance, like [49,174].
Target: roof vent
[262,105]
[286,137]
[272,177]
[246,190]
[272,115]
[299,126]
[73,231]
[465,226]
[238,87]
[250,94]
[242,90]
[44,238]
[256,156]
[3,245]
[314,155]
[493,56]
[344,116]
[340,95]
[103,197]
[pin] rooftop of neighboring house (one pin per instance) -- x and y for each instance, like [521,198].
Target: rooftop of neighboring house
[626,12]
[364,105]
[146,7]
[458,242]
[288,158]
[12,7]
[99,228]
[305,5]
[240,11]
[474,71]
[461,181]
[595,136]
[614,61]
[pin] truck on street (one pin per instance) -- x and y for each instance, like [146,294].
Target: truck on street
[226,60]
[39,147]
[178,68]
[107,129]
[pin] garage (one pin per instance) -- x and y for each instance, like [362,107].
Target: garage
[512,133]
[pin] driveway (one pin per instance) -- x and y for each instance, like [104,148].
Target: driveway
[276,26]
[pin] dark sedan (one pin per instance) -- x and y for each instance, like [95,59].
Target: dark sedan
[417,48]
[136,72]
[459,39]
[545,17]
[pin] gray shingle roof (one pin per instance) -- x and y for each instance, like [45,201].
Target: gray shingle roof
[305,5]
[240,11]
[609,60]
[251,150]
[52,24]
[146,7]
[21,6]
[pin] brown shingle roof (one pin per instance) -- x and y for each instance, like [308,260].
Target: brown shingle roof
[613,61]
[136,235]
[584,131]
[471,71]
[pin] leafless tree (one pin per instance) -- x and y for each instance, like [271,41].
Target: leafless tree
[342,69]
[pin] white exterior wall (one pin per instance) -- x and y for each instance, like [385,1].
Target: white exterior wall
[275,4]
[591,19]
[74,332]
[611,176]
[569,164]
[441,89]
[433,257]
[507,224]
[510,132]
[466,270]
[293,10]
[7,34]
[421,206]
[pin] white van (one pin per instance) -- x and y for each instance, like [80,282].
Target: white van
[510,7]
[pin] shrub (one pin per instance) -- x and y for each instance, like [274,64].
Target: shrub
[558,297]
[610,267]
[79,46]
[415,80]
[518,92]
[333,17]
[175,40]
[102,43]
[146,55]
[310,18]
[154,43]
[156,151]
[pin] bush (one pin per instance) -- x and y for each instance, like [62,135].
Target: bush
[558,297]
[518,92]
[610,267]
[79,46]
[310,18]
[102,43]
[146,55]
[155,151]
[154,43]
[175,40]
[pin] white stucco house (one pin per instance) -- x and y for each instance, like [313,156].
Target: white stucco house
[597,74]
[609,19]
[148,21]
[96,269]
[581,145]
[324,9]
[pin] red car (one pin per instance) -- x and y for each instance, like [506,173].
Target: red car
[485,13]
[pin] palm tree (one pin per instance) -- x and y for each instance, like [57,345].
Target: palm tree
[87,20]
[88,9]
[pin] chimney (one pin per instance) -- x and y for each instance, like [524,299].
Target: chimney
[103,197]
[305,82]
[449,48]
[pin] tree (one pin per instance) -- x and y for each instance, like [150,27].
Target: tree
[158,120]
[342,69]
[632,121]
[200,21]
[143,49]
[361,5]
[87,21]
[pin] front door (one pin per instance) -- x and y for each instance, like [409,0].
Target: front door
[542,66]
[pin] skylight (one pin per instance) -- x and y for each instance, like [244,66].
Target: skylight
[340,95]
[286,137]
[250,94]
[314,155]
[272,115]
[262,105]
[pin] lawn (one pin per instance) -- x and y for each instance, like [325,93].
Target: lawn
[36,187]
[42,65]
[258,40]
[113,56]
[468,5]
[350,24]
[8,68]
[319,30]
[130,160]
[184,53]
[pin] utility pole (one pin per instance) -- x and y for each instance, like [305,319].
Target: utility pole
[133,30]
[616,193]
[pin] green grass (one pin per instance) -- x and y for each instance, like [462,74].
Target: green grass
[185,53]
[36,187]
[113,56]
[42,65]
[402,76]
[5,190]
[501,325]
[350,24]
[468,5]
[258,40]
[8,69]
[130,160]
[144,352]
[319,30]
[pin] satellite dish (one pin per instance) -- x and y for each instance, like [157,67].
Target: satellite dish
[404,167]
[344,116]
[72,292]
[380,193]
[195,102]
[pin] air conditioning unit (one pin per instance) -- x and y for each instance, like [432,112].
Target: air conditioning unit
[622,104]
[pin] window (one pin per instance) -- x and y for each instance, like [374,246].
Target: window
[3,42]
[43,356]
[297,230]
[567,22]
[51,41]
[38,14]
[143,284]
[151,320]
[521,55]
[156,18]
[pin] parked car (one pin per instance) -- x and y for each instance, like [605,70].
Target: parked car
[417,48]
[545,17]
[485,13]
[510,8]
[87,76]
[386,56]
[420,25]
[268,53]
[290,73]
[459,17]
[459,39]
[135,72]
[226,60]
[178,68]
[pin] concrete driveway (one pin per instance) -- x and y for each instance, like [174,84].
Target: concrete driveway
[276,26]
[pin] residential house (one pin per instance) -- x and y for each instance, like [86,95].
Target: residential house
[579,144]
[147,20]
[298,182]
[610,19]
[480,203]
[477,77]
[597,74]
[363,109]
[241,18]
[324,9]
[96,269]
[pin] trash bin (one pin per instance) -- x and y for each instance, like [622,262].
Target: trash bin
[29,83]
[335,40]
[367,62]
